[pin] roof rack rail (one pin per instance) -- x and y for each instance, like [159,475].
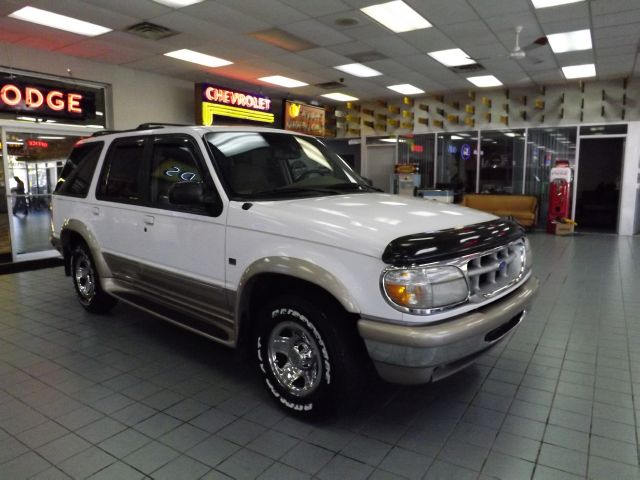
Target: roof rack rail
[100,133]
[149,126]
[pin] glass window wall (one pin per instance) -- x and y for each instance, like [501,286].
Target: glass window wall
[418,150]
[502,161]
[545,147]
[34,161]
[456,165]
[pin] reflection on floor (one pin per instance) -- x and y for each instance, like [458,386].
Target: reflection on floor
[32,231]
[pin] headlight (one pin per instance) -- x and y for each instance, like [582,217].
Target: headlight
[427,288]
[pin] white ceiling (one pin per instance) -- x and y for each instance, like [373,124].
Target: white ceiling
[482,28]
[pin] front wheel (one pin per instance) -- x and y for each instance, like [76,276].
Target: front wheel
[87,283]
[309,356]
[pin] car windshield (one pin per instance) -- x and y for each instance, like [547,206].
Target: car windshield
[257,165]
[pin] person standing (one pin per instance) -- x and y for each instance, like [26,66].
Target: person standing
[21,200]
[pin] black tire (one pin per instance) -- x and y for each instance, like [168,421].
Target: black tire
[311,357]
[87,282]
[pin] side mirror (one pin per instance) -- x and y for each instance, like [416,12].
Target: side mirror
[187,193]
[195,193]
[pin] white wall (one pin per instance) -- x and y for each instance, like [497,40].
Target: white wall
[628,189]
[136,96]
[629,211]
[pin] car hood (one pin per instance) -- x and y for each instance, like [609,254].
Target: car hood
[364,223]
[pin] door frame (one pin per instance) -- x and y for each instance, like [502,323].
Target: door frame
[38,128]
[574,193]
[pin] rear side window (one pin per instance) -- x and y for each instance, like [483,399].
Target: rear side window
[77,173]
[122,178]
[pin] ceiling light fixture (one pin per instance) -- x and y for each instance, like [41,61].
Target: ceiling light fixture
[552,3]
[199,58]
[454,57]
[358,70]
[570,41]
[396,16]
[340,97]
[405,89]
[484,81]
[579,71]
[178,3]
[61,22]
[283,81]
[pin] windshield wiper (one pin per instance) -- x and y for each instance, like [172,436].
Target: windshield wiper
[276,192]
[356,186]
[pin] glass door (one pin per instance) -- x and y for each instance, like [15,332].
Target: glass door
[33,163]
[5,236]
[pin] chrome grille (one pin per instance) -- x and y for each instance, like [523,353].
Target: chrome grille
[490,272]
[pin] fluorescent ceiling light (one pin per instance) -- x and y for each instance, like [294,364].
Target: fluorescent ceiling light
[389,140]
[178,3]
[552,3]
[456,137]
[61,22]
[485,81]
[340,97]
[511,134]
[570,41]
[579,71]
[454,57]
[48,137]
[358,70]
[405,89]
[199,58]
[283,81]
[396,16]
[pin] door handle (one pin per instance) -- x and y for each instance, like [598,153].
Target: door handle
[95,210]
[149,220]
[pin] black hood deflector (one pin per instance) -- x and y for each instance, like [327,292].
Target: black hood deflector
[420,248]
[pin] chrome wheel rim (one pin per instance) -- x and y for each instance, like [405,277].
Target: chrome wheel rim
[295,358]
[84,277]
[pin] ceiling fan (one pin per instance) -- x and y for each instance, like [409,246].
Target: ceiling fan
[520,53]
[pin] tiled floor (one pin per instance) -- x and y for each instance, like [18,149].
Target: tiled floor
[125,395]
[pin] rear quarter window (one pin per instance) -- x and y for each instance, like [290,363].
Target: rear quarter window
[124,177]
[76,175]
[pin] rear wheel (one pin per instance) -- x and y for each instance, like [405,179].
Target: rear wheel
[310,355]
[87,283]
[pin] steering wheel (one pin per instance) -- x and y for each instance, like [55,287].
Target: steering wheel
[306,173]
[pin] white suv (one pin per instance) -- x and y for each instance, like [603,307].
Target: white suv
[261,237]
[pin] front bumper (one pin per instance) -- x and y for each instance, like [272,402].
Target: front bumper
[420,354]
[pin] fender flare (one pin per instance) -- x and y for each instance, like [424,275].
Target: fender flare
[294,268]
[78,227]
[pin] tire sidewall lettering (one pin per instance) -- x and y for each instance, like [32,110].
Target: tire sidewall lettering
[298,405]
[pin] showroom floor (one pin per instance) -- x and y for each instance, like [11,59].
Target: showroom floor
[125,395]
